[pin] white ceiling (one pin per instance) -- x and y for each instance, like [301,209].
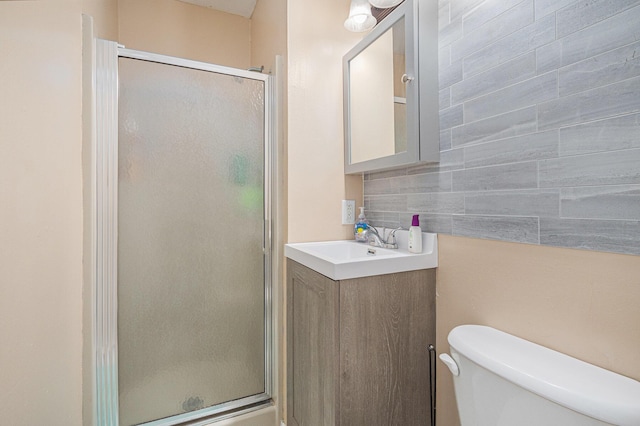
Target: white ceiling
[236,7]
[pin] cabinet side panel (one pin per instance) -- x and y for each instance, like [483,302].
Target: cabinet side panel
[386,325]
[429,89]
[312,346]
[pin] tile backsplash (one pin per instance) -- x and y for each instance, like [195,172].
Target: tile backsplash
[539,128]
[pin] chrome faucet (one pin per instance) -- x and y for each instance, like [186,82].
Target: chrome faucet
[384,241]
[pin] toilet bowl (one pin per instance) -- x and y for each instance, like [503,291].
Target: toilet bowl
[503,380]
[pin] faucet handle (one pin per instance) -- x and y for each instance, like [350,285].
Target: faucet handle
[392,235]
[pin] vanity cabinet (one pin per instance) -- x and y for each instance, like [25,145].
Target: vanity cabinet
[357,349]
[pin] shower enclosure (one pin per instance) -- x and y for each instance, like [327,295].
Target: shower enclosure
[183,293]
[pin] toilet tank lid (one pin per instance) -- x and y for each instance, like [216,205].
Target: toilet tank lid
[574,384]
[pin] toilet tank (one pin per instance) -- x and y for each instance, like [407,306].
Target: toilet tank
[502,380]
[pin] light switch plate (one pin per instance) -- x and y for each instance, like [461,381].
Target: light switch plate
[348,212]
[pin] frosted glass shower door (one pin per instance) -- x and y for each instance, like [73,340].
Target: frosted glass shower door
[191,238]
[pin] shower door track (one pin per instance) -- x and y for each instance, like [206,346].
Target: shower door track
[104,183]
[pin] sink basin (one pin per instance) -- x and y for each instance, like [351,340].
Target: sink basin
[345,251]
[341,260]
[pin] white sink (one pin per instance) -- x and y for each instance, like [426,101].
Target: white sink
[341,260]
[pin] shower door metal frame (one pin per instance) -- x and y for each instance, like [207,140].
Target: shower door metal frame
[104,230]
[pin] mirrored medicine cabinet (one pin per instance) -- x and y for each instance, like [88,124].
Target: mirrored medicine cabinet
[391,92]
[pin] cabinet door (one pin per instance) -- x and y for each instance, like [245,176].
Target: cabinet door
[312,347]
[386,325]
[381,95]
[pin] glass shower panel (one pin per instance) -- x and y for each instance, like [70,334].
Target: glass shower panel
[191,289]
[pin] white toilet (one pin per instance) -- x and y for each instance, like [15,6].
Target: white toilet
[502,380]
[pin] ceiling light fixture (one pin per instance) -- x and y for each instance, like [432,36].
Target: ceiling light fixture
[360,18]
[385,4]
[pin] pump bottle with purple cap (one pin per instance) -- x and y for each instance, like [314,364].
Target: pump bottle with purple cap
[415,235]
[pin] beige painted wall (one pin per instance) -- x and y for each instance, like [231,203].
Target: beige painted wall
[582,303]
[268,32]
[40,213]
[105,17]
[175,28]
[317,41]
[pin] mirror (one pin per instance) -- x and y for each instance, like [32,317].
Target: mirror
[378,98]
[391,106]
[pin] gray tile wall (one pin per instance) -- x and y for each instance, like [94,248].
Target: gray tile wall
[539,128]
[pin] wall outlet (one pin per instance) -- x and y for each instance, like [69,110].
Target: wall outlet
[348,212]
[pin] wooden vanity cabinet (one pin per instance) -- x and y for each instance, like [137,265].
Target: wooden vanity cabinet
[357,349]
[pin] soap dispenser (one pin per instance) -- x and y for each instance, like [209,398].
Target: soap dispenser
[361,229]
[415,235]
